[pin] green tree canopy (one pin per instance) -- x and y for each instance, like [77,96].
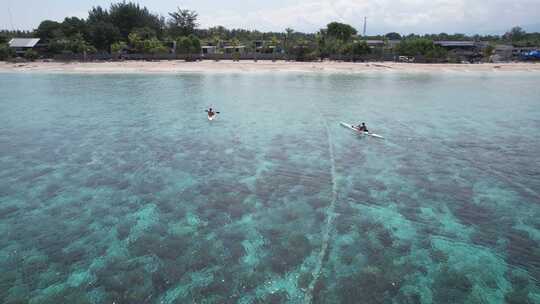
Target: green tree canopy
[98,14]
[136,42]
[515,34]
[151,45]
[31,55]
[48,30]
[341,31]
[182,22]
[188,45]
[183,45]
[274,41]
[127,16]
[305,50]
[118,47]
[393,36]
[102,34]
[219,32]
[521,38]
[195,44]
[360,48]
[335,39]
[145,33]
[6,52]
[75,44]
[420,46]
[235,42]
[74,25]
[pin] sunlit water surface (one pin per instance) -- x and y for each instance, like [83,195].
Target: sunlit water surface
[116,188]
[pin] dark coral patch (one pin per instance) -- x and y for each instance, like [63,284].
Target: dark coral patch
[232,241]
[290,253]
[523,251]
[317,202]
[451,286]
[274,298]
[370,287]
[249,281]
[304,280]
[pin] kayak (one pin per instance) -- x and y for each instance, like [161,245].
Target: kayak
[213,116]
[346,125]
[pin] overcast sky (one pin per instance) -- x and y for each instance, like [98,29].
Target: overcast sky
[403,16]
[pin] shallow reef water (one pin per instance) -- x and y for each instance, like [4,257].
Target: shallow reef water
[117,189]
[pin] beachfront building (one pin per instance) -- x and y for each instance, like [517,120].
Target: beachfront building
[234,49]
[392,43]
[375,43]
[469,51]
[266,47]
[208,50]
[259,46]
[467,45]
[21,45]
[502,52]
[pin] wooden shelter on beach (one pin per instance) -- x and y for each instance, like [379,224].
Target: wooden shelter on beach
[21,45]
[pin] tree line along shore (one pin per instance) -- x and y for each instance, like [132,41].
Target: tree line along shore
[127,30]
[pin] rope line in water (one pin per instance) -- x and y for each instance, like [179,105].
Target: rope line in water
[330,217]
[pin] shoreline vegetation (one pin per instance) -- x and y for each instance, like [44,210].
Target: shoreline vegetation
[228,66]
[126,29]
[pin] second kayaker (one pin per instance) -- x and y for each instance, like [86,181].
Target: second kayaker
[362,127]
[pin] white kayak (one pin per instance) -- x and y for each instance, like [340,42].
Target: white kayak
[346,125]
[212,117]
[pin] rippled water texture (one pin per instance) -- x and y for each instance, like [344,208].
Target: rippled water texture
[116,188]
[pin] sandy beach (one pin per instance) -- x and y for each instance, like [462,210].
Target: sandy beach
[178,66]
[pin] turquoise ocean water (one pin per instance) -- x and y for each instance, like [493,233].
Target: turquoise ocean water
[117,189]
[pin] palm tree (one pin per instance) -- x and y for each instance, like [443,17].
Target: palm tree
[288,35]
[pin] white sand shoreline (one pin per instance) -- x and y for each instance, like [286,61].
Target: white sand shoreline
[179,66]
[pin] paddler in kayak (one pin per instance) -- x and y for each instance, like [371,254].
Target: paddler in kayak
[362,127]
[211,112]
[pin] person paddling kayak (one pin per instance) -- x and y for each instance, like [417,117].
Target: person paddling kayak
[211,113]
[360,130]
[362,127]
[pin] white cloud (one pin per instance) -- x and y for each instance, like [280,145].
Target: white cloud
[387,15]
[404,16]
